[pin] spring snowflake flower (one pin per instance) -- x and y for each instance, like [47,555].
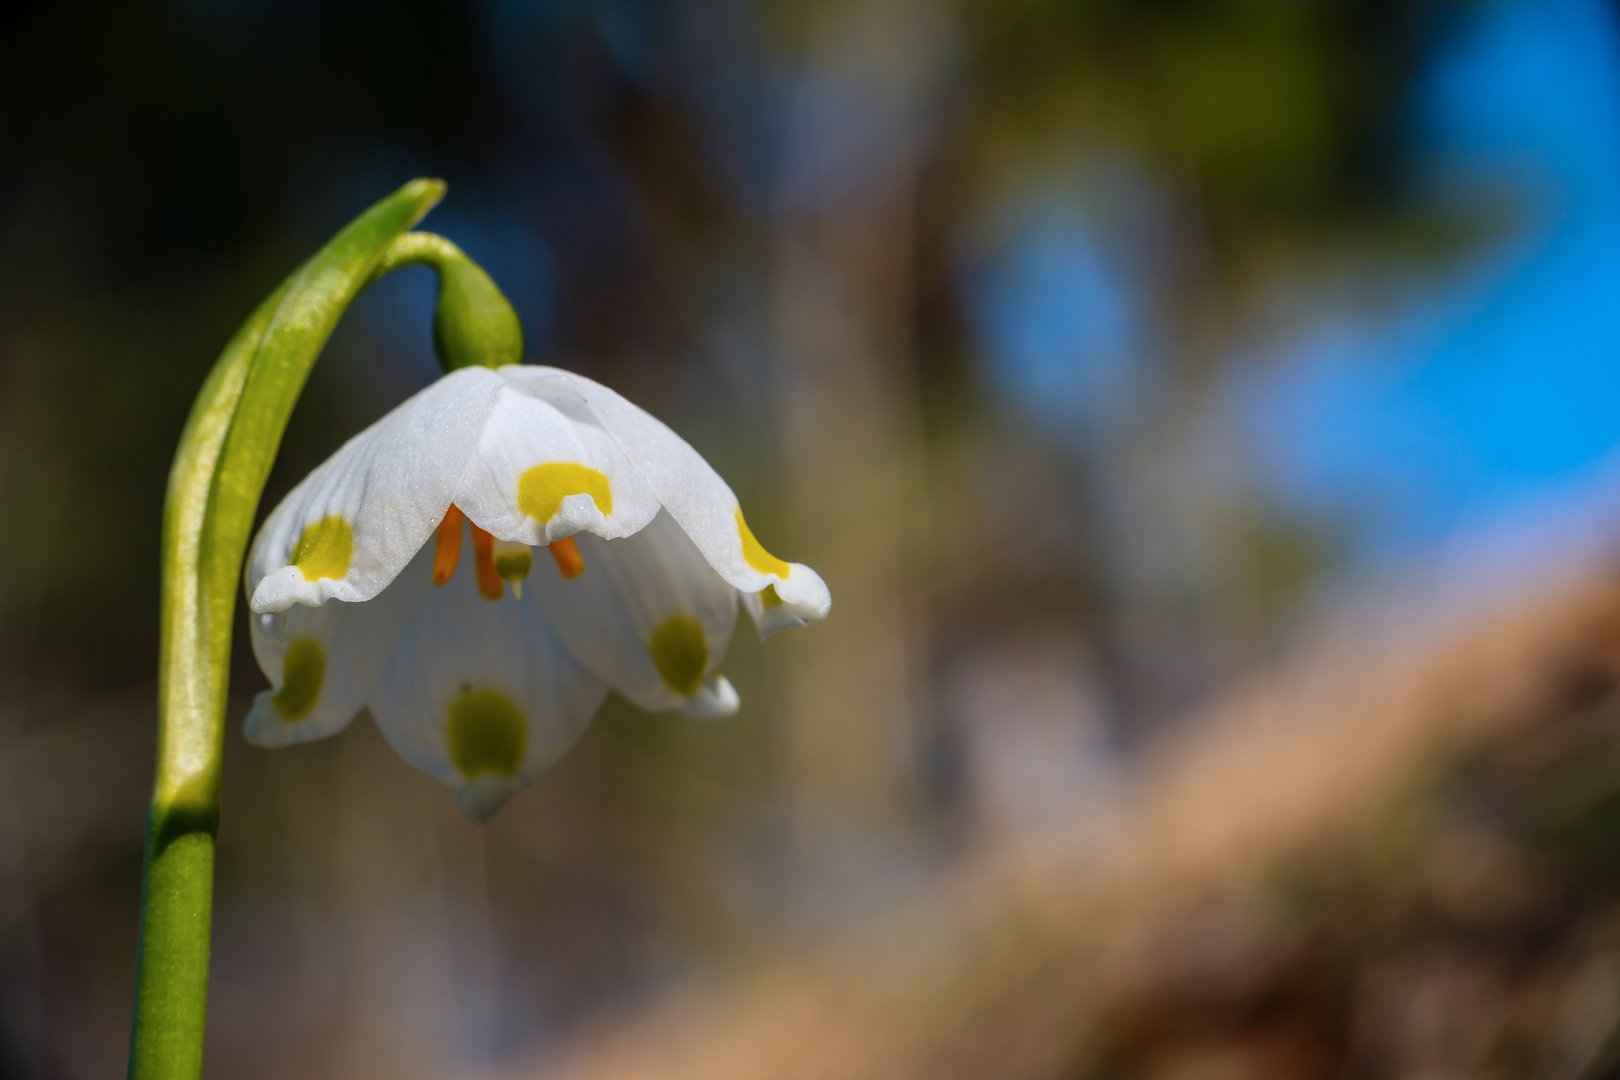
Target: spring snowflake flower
[486,679]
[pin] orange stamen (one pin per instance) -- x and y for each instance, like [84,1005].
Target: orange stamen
[448,552]
[490,585]
[569,564]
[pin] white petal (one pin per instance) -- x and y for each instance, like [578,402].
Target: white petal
[484,795]
[695,495]
[541,475]
[770,615]
[323,662]
[358,519]
[715,701]
[496,669]
[649,616]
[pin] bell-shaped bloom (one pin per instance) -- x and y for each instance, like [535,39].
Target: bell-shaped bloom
[606,554]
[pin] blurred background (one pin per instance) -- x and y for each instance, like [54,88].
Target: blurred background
[1204,415]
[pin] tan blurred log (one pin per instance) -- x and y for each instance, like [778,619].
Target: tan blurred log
[1044,957]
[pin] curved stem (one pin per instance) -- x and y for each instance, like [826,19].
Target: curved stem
[224,458]
[473,323]
[417,249]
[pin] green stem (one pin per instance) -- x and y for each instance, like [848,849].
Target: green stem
[225,454]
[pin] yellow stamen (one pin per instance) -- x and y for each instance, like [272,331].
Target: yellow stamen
[566,554]
[490,586]
[448,553]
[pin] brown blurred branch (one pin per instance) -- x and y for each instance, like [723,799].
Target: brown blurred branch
[1157,932]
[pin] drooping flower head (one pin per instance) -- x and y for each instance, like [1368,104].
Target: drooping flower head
[483,679]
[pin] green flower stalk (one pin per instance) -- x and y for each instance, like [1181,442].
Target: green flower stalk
[224,458]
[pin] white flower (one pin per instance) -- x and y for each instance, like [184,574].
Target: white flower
[483,679]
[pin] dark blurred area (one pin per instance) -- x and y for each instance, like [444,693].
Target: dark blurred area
[1173,395]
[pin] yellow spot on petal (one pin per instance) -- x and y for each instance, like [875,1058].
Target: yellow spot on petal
[769,599]
[754,553]
[487,733]
[325,549]
[680,653]
[542,488]
[303,670]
